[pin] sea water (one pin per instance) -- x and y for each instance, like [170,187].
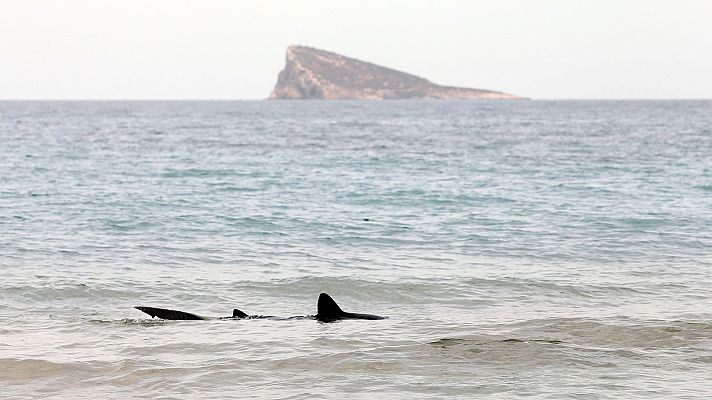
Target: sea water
[521,249]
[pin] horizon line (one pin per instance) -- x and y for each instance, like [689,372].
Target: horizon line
[360,100]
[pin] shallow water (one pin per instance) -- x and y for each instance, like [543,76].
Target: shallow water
[525,249]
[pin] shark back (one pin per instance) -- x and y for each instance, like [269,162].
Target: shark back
[327,311]
[169,314]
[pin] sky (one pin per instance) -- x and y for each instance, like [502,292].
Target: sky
[229,49]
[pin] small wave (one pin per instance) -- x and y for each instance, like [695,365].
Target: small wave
[701,360]
[131,225]
[507,350]
[448,342]
[130,321]
[583,342]
[633,335]
[540,287]
[19,371]
[197,172]
[46,293]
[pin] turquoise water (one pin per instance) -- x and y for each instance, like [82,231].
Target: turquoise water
[538,249]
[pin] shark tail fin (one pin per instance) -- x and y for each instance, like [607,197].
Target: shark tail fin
[168,314]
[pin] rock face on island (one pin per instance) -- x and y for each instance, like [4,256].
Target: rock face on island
[317,74]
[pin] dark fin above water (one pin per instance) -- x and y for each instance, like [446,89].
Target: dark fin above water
[169,314]
[326,306]
[238,314]
[328,311]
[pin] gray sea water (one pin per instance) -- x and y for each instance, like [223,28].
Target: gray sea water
[524,249]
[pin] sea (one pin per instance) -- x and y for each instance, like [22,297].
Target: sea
[520,249]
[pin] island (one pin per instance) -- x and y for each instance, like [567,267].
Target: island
[311,73]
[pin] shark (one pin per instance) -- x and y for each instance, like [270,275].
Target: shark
[327,310]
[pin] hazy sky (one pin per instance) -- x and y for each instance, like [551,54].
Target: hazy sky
[171,49]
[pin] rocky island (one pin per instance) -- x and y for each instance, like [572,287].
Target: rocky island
[317,74]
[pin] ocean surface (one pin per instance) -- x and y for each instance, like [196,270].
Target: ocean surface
[521,249]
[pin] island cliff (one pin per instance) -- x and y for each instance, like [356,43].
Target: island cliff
[317,74]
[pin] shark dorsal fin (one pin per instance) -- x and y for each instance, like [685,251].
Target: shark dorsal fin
[238,314]
[327,307]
